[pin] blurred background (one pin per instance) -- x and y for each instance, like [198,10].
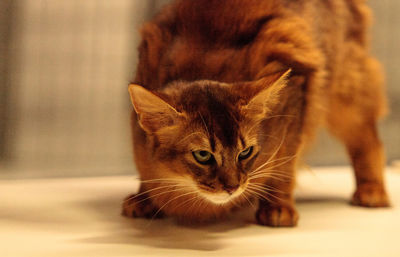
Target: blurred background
[64,71]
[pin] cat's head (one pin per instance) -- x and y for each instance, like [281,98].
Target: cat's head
[205,133]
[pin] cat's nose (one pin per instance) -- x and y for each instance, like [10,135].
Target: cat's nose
[231,189]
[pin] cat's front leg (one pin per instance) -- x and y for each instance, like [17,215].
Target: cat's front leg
[277,207]
[277,215]
[139,205]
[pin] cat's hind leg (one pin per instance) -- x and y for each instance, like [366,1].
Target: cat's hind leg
[367,157]
[356,104]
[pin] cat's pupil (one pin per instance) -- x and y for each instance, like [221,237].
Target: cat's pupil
[203,153]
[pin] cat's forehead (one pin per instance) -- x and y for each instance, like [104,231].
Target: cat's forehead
[213,108]
[199,91]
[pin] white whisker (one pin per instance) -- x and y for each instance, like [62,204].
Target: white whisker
[163,180]
[258,195]
[284,162]
[191,134]
[281,115]
[198,199]
[286,158]
[248,200]
[272,156]
[205,125]
[271,173]
[265,192]
[148,191]
[267,187]
[162,193]
[179,196]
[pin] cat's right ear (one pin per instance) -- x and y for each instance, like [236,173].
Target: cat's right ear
[153,112]
[267,96]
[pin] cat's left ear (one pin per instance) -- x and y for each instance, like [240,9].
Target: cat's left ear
[267,97]
[154,113]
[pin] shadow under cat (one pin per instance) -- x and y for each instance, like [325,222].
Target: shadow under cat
[169,234]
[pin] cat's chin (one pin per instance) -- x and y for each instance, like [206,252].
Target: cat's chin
[222,197]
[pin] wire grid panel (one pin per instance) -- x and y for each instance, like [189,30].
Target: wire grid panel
[72,70]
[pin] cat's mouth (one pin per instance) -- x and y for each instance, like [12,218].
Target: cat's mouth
[220,198]
[223,197]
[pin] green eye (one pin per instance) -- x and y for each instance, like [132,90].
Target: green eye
[203,157]
[246,153]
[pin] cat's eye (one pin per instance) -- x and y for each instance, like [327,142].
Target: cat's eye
[245,153]
[203,157]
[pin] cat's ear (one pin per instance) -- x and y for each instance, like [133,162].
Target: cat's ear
[153,112]
[268,95]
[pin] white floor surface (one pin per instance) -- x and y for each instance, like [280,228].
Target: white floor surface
[81,217]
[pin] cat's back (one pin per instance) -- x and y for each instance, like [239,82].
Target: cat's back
[233,40]
[235,21]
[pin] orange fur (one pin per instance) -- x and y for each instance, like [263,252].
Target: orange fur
[234,51]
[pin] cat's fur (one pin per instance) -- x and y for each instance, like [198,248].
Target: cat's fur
[211,75]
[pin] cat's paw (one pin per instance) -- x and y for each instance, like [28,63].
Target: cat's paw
[277,216]
[370,195]
[137,206]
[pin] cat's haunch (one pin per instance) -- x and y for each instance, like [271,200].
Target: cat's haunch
[228,93]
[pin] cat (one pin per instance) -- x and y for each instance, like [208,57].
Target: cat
[228,94]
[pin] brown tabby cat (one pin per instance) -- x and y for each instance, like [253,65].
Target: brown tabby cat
[220,120]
